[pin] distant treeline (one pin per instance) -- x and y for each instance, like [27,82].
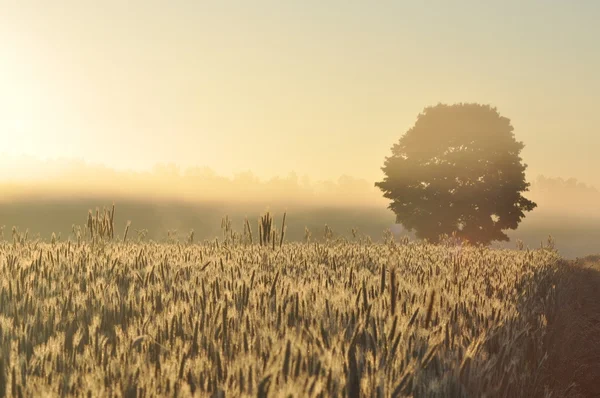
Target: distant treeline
[68,179]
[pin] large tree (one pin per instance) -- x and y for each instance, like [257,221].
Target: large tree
[457,169]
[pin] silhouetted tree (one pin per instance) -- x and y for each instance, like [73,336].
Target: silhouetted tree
[457,169]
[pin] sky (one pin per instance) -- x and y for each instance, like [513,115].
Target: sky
[321,88]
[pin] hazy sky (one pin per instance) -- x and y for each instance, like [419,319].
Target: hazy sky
[323,88]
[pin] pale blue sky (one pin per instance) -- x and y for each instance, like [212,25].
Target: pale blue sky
[323,88]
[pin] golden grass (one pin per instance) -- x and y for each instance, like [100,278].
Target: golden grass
[119,318]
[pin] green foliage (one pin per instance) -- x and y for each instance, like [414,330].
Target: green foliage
[457,169]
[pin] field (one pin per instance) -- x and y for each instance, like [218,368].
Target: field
[575,236]
[247,316]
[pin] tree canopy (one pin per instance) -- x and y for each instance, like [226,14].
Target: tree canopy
[457,170]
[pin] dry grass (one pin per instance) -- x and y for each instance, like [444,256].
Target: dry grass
[113,318]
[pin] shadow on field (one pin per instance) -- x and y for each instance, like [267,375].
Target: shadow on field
[572,368]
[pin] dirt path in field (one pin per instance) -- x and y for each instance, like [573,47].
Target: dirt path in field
[573,365]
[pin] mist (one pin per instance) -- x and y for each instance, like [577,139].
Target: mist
[47,196]
[32,179]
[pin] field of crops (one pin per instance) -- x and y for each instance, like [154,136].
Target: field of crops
[116,318]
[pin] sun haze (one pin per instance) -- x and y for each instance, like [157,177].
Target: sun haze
[319,88]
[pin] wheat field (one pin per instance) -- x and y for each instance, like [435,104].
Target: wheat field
[96,315]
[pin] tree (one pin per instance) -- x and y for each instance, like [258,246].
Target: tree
[458,170]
